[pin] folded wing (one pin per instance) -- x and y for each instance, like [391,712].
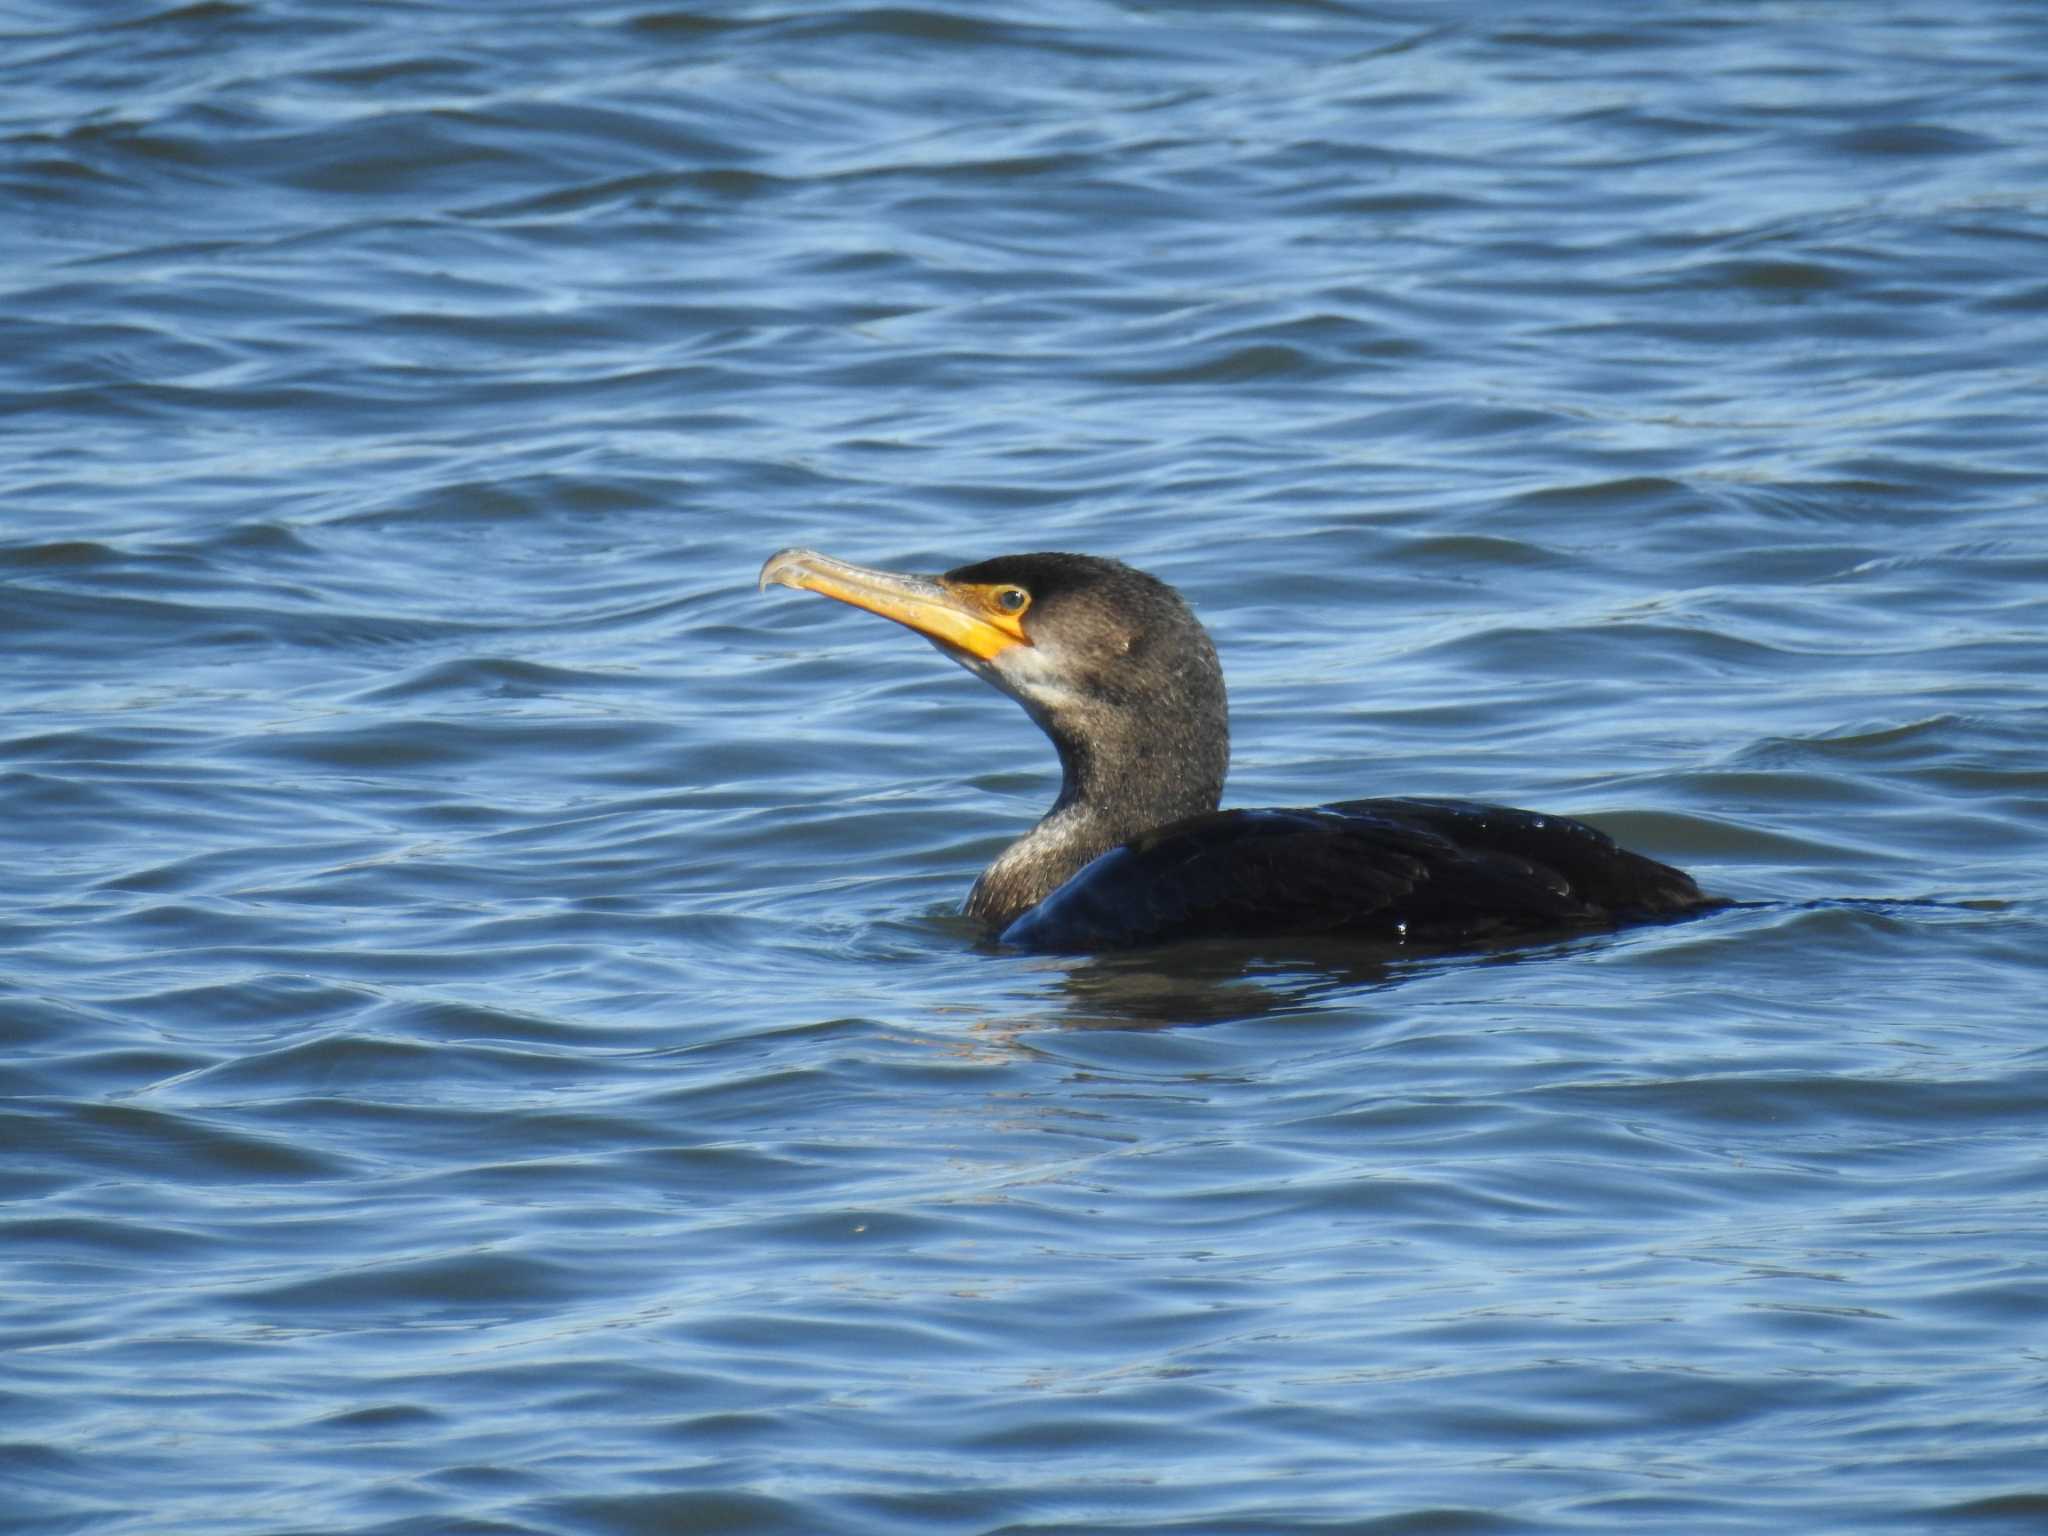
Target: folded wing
[1398,872]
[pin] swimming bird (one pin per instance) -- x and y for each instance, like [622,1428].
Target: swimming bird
[1114,667]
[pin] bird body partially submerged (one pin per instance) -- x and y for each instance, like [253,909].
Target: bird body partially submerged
[1438,874]
[1116,670]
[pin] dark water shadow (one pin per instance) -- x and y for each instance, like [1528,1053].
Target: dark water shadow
[1233,981]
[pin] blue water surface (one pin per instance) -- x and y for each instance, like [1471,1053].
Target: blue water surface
[486,1040]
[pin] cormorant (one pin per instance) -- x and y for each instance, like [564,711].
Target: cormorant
[1115,668]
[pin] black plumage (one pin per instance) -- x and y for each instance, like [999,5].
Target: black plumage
[1116,670]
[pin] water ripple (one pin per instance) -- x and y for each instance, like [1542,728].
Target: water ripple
[489,1038]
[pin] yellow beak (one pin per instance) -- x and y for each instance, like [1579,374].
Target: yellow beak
[959,617]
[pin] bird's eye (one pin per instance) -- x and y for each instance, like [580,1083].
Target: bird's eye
[1012,599]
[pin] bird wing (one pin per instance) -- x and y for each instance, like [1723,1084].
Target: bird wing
[1427,872]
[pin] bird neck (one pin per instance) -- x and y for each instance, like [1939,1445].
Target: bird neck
[1121,774]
